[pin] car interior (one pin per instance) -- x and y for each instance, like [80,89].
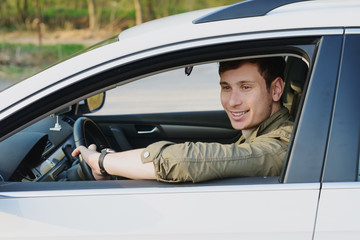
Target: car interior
[46,146]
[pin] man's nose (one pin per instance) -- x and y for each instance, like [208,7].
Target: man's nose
[235,98]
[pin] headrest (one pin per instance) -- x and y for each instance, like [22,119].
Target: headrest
[295,73]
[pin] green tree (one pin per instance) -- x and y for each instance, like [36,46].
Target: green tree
[138,12]
[92,15]
[22,9]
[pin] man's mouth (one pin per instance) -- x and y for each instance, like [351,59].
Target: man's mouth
[238,114]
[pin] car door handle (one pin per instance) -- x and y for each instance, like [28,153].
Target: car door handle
[154,130]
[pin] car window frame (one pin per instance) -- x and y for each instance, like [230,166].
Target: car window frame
[306,160]
[342,161]
[300,46]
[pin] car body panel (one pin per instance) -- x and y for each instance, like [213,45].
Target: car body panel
[144,213]
[338,212]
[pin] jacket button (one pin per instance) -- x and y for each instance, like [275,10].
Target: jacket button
[146,154]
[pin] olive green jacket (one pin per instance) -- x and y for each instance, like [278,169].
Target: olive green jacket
[261,154]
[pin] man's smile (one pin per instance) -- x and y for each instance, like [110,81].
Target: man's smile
[238,114]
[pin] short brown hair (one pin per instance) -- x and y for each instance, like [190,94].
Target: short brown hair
[269,67]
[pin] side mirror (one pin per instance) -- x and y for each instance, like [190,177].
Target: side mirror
[95,102]
[92,104]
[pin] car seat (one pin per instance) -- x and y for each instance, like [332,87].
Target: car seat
[294,76]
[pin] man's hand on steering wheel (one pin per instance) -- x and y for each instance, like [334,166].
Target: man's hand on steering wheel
[86,132]
[91,157]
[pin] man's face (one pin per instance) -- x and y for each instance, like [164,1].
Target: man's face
[245,97]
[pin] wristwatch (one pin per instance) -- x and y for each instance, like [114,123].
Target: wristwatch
[101,160]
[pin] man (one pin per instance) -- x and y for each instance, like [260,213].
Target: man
[251,93]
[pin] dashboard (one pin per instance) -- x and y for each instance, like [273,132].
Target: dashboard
[40,152]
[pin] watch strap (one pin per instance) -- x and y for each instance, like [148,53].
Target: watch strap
[101,160]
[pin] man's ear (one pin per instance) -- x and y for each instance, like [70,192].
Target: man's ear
[277,89]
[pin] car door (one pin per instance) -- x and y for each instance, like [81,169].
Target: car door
[340,193]
[251,208]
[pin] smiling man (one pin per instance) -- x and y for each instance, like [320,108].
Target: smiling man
[251,91]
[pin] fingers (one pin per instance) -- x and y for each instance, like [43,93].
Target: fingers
[77,151]
[81,149]
[89,155]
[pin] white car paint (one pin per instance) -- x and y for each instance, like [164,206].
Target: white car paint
[338,211]
[279,211]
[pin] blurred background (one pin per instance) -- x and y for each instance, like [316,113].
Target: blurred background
[37,33]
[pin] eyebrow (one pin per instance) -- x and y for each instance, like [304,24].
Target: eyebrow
[241,82]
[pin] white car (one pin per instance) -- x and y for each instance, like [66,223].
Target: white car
[161,83]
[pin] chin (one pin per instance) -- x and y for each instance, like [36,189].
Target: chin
[237,127]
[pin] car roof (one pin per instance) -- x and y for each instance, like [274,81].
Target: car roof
[321,14]
[299,15]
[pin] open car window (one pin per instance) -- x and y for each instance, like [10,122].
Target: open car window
[191,88]
[151,104]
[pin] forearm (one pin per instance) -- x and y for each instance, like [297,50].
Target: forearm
[128,164]
[125,164]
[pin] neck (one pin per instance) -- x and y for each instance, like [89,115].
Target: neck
[275,108]
[246,133]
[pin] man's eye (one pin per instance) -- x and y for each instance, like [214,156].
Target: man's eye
[246,87]
[225,87]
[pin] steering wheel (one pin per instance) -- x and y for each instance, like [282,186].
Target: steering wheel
[87,132]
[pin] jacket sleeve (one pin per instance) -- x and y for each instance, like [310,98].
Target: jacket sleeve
[199,161]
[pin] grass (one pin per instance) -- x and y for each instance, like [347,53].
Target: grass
[18,61]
